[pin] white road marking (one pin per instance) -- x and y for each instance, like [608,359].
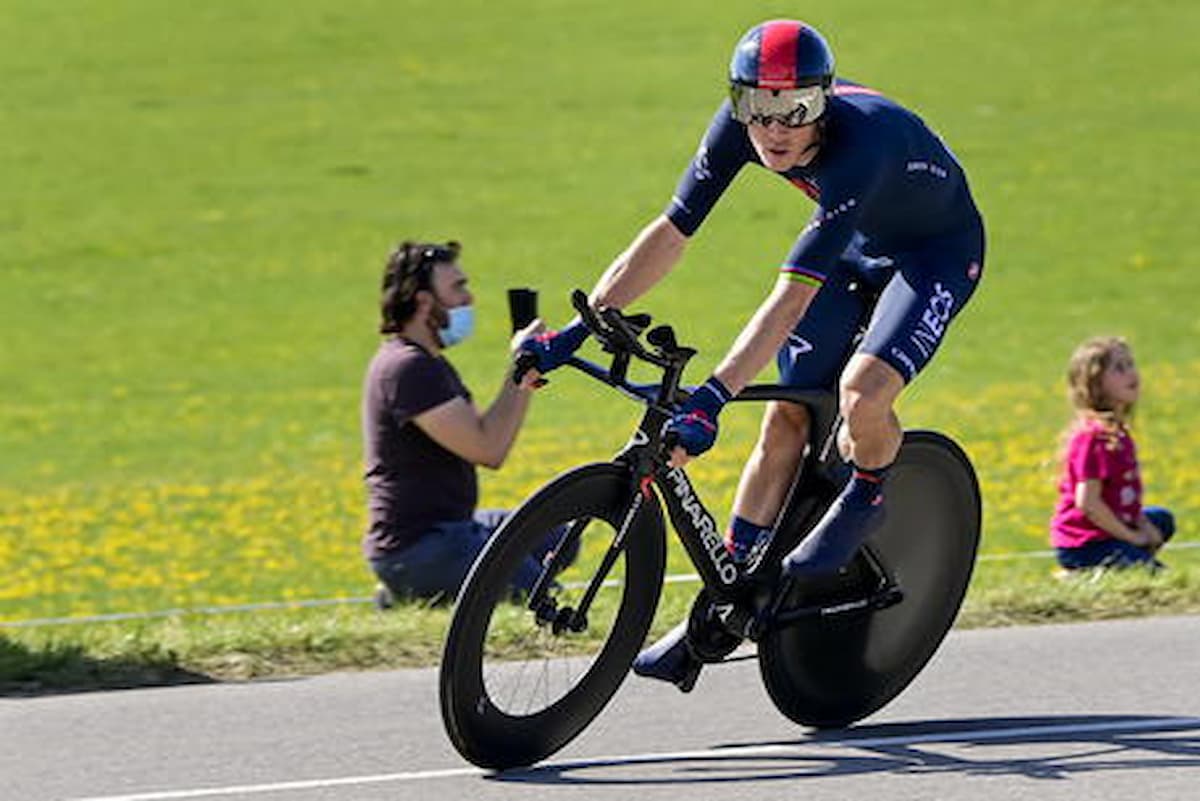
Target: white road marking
[749,752]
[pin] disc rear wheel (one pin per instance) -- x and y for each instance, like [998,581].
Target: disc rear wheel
[829,671]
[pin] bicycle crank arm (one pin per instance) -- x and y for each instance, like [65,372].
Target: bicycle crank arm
[880,599]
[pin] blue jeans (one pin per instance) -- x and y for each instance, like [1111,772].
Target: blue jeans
[1114,552]
[436,565]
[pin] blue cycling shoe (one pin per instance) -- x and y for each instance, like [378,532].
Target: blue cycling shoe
[835,538]
[670,659]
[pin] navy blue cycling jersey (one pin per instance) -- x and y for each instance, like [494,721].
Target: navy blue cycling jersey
[882,180]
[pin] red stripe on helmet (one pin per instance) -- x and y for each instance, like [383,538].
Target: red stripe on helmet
[777,54]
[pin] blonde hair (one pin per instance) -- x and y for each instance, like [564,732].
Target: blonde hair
[1085,371]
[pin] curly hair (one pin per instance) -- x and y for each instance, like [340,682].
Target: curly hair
[408,270]
[1085,371]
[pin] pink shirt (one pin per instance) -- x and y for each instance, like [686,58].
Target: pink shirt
[1096,452]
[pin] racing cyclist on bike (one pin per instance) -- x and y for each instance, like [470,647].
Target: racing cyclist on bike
[894,216]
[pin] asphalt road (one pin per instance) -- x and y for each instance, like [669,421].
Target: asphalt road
[1100,711]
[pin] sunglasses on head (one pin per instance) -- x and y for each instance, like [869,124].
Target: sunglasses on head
[414,273]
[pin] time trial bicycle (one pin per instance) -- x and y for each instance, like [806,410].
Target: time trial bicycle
[521,677]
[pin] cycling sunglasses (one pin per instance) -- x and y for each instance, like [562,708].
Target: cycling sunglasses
[792,108]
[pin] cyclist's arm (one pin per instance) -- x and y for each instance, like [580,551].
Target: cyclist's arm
[815,253]
[647,260]
[766,332]
[1089,499]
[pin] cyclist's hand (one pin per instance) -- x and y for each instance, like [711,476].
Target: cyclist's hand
[694,426]
[524,370]
[551,349]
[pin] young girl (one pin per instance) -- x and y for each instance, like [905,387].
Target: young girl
[1100,521]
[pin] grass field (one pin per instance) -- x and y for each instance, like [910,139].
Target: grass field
[196,202]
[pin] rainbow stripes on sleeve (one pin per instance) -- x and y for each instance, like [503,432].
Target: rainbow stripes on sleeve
[802,275]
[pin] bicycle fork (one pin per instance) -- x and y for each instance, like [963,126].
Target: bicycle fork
[545,608]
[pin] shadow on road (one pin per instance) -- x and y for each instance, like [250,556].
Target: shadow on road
[1045,748]
[57,668]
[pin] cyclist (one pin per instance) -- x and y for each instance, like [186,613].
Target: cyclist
[894,217]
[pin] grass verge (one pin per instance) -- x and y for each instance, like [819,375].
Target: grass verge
[195,648]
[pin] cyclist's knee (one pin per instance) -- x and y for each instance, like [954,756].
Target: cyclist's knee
[864,406]
[867,392]
[787,417]
[785,427]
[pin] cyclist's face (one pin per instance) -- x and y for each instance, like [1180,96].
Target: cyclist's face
[780,147]
[1120,381]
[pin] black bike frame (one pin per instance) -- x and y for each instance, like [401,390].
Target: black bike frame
[646,456]
[697,528]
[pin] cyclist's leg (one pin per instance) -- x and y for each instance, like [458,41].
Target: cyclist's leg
[910,320]
[870,433]
[767,476]
[810,359]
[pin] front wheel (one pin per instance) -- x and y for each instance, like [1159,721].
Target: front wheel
[831,671]
[515,689]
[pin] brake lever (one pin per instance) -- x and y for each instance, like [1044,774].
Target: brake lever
[579,300]
[614,331]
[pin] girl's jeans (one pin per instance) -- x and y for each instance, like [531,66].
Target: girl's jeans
[1116,553]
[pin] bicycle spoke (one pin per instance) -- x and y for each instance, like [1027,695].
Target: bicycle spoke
[521,677]
[529,666]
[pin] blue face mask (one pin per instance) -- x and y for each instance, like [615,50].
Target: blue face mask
[460,323]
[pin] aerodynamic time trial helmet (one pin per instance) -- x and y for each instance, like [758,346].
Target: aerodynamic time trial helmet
[781,70]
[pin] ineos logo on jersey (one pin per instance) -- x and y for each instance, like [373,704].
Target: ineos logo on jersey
[932,325]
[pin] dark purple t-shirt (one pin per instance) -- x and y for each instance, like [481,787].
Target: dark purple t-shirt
[412,482]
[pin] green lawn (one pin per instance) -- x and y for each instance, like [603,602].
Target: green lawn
[196,202]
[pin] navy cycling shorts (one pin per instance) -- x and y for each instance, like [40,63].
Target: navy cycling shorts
[906,301]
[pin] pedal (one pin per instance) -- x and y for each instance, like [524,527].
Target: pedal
[714,629]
